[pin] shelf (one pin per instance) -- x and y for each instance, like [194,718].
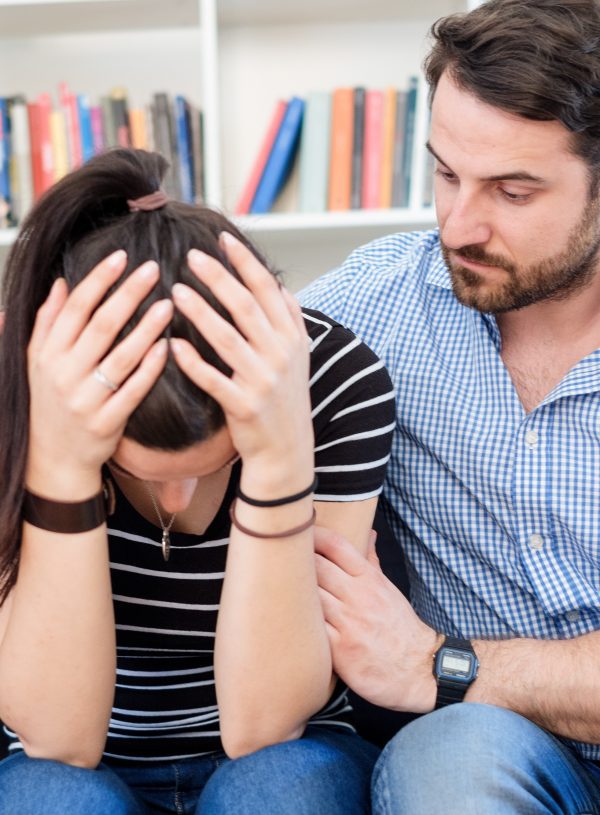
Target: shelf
[294,222]
[24,18]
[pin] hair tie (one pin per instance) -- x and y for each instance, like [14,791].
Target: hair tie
[147,203]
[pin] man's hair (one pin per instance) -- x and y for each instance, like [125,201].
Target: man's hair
[539,59]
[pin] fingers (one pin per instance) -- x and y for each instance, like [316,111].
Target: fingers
[119,405]
[83,300]
[2,317]
[47,314]
[337,550]
[103,327]
[205,376]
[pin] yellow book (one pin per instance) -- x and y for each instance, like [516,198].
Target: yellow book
[138,129]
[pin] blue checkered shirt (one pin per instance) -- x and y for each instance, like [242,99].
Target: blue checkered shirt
[496,509]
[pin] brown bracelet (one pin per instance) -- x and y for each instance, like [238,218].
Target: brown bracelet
[69,517]
[287,533]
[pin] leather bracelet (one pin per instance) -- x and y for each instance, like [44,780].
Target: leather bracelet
[277,502]
[287,533]
[69,517]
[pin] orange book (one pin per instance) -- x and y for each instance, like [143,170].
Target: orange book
[137,128]
[45,113]
[342,134]
[387,154]
[245,200]
[35,137]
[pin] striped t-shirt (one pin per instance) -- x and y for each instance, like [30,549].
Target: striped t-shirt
[165,704]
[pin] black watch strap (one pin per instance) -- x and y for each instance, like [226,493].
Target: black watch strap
[448,691]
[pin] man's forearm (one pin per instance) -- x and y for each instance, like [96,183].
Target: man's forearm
[555,683]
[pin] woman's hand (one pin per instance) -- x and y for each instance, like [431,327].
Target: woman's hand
[76,418]
[266,400]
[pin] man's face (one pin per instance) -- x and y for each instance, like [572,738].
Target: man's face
[517,223]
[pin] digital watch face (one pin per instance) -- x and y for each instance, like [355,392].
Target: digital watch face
[457,665]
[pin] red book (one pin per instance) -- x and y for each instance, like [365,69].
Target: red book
[245,200]
[35,138]
[47,164]
[342,137]
[373,150]
[68,102]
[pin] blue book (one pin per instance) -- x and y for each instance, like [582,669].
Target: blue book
[5,199]
[281,158]
[85,127]
[184,150]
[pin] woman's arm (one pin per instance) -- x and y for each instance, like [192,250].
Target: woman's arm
[57,655]
[273,665]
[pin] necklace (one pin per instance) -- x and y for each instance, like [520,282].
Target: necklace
[165,541]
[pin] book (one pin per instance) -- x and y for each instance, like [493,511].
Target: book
[358,141]
[244,202]
[314,152]
[165,142]
[120,114]
[85,127]
[45,135]
[373,150]
[407,150]
[110,130]
[197,128]
[5,193]
[398,152]
[60,148]
[137,128]
[21,177]
[387,151]
[184,149]
[98,138]
[340,164]
[68,102]
[281,157]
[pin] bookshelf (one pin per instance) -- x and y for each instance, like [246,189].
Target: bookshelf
[233,58]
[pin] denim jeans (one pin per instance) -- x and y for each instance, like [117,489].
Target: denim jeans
[472,759]
[326,771]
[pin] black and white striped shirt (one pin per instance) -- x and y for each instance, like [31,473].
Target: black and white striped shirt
[165,704]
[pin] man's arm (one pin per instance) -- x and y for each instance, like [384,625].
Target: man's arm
[384,652]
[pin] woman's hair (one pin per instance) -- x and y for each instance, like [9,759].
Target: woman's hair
[78,222]
[539,59]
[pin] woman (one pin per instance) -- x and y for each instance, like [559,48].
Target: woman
[159,441]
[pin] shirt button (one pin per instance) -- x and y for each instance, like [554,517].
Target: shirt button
[531,437]
[572,616]
[536,541]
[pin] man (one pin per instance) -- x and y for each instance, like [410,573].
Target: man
[490,328]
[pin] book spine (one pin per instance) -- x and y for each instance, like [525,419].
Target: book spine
[244,202]
[340,165]
[110,131]
[97,123]
[373,150]
[409,134]
[58,132]
[5,192]
[23,186]
[120,112]
[281,157]
[33,115]
[184,151]
[398,166]
[165,141]
[68,102]
[197,126]
[85,127]
[314,152]
[358,144]
[387,153]
[137,128]
[45,112]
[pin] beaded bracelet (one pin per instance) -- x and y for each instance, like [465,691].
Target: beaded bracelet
[287,533]
[277,502]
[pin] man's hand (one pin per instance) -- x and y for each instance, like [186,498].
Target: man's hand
[380,647]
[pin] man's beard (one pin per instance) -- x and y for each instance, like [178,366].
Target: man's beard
[554,278]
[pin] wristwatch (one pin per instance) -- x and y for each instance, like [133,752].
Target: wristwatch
[455,667]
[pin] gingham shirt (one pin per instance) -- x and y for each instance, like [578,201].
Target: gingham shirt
[497,510]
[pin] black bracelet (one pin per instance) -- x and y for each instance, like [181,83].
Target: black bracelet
[69,517]
[277,502]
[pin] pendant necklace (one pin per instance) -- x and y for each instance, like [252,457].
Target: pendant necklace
[165,540]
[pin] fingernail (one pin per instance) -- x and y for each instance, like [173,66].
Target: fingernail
[117,258]
[175,346]
[160,348]
[197,257]
[148,270]
[227,238]
[163,308]
[180,291]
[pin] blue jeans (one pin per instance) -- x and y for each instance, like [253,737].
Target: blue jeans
[327,771]
[472,759]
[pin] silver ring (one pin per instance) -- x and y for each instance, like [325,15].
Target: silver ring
[104,380]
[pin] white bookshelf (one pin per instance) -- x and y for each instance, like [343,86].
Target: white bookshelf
[234,58]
